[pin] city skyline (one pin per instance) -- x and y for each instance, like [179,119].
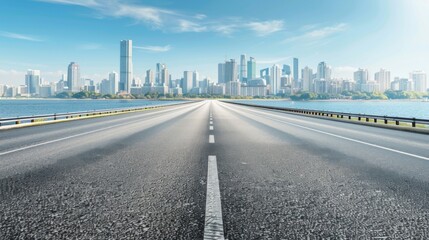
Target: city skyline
[201,37]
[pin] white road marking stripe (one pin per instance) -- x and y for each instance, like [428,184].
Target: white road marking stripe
[211,128]
[213,227]
[85,133]
[211,139]
[211,122]
[342,137]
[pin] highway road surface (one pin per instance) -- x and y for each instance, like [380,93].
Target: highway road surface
[213,170]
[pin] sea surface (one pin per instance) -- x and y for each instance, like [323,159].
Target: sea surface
[24,107]
[393,108]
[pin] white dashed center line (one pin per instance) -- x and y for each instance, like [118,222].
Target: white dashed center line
[211,139]
[213,227]
[211,128]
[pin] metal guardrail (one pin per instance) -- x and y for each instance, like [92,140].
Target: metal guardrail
[343,115]
[70,115]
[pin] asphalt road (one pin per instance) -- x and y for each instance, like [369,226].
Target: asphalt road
[212,170]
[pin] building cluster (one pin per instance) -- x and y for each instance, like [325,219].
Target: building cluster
[241,80]
[234,79]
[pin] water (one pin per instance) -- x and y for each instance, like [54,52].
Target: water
[14,108]
[394,108]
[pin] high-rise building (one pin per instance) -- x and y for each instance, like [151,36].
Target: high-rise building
[73,77]
[251,69]
[307,79]
[361,78]
[383,79]
[419,80]
[221,73]
[187,81]
[195,79]
[275,78]
[323,71]
[295,69]
[230,71]
[33,81]
[265,74]
[150,78]
[158,75]
[126,65]
[113,81]
[286,70]
[243,68]
[165,77]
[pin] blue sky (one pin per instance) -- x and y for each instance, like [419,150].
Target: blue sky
[196,35]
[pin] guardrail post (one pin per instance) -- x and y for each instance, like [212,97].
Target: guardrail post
[385,120]
[350,117]
[367,119]
[55,116]
[17,122]
[375,120]
[359,118]
[397,122]
[414,122]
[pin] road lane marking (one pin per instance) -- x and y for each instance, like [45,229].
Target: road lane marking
[339,136]
[211,128]
[211,122]
[213,226]
[90,132]
[211,139]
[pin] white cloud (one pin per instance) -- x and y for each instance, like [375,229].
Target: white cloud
[266,27]
[317,34]
[154,48]
[171,20]
[20,36]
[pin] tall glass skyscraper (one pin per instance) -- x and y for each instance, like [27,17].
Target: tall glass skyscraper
[33,81]
[251,69]
[295,69]
[243,68]
[126,65]
[73,77]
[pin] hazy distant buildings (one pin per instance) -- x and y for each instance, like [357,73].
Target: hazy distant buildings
[230,71]
[187,81]
[419,80]
[251,69]
[113,83]
[126,65]
[382,78]
[275,77]
[307,79]
[221,73]
[73,77]
[286,70]
[33,81]
[150,78]
[195,79]
[323,71]
[165,76]
[243,68]
[295,72]
[361,78]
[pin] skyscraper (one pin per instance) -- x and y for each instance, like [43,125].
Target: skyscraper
[165,77]
[221,73]
[383,79]
[243,68]
[195,79]
[323,71]
[286,70]
[126,65]
[307,79]
[150,78]
[295,70]
[419,80]
[113,81]
[251,69]
[361,78]
[73,77]
[275,79]
[230,71]
[187,81]
[33,81]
